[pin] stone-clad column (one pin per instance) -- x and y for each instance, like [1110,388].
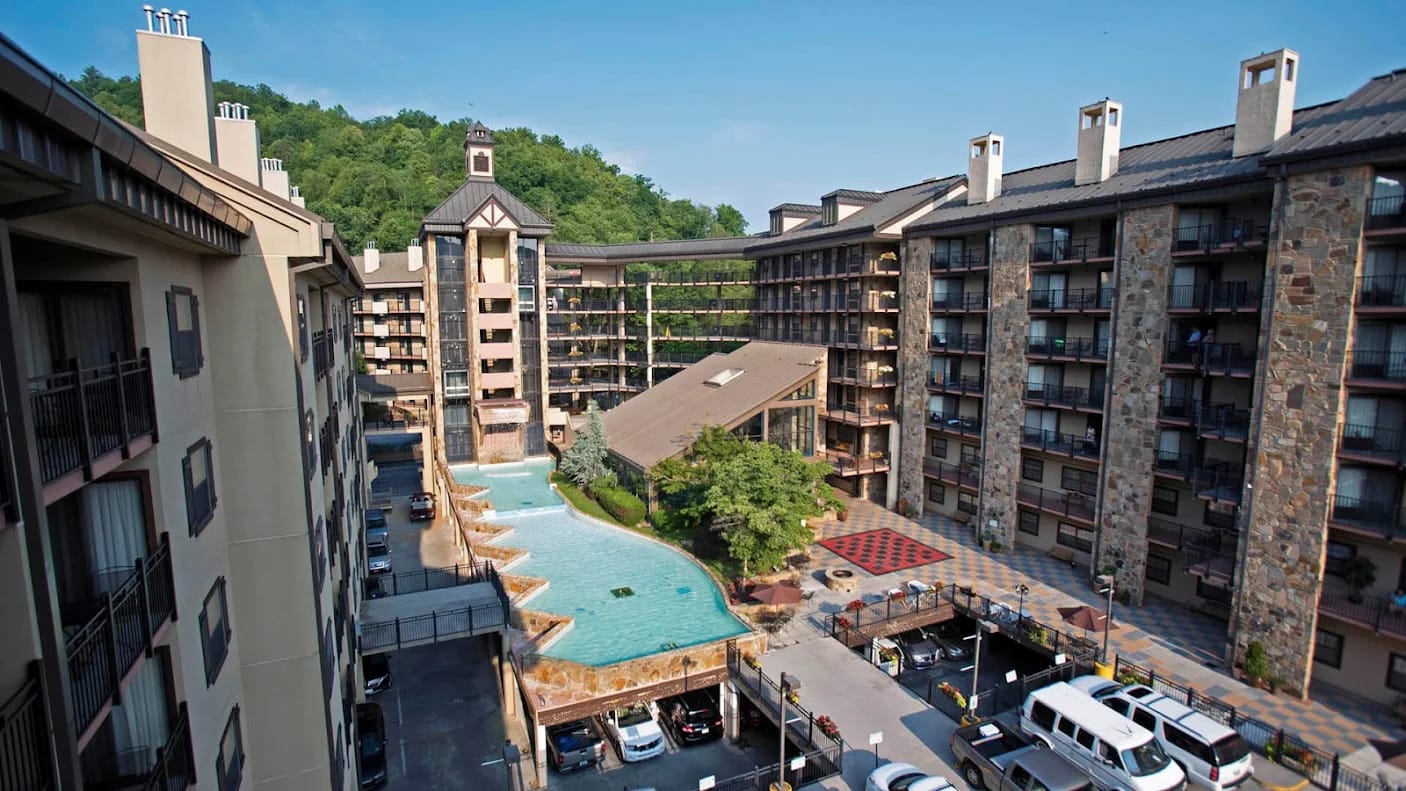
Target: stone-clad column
[1313,262]
[914,323]
[1009,324]
[1130,417]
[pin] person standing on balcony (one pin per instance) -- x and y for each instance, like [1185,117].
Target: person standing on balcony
[1398,602]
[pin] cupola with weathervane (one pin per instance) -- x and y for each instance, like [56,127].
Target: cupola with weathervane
[478,153]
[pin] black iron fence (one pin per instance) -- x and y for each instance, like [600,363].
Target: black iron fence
[81,414]
[1221,296]
[961,424]
[1071,299]
[1377,515]
[1051,441]
[1002,697]
[1077,348]
[1387,211]
[433,627]
[25,761]
[1049,393]
[433,578]
[952,342]
[767,692]
[1069,504]
[957,260]
[961,384]
[959,301]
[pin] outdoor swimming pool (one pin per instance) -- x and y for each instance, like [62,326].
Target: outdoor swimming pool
[671,602]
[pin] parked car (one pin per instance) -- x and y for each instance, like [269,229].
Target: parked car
[693,717]
[995,757]
[378,558]
[635,731]
[375,519]
[950,639]
[371,738]
[376,669]
[918,651]
[899,776]
[421,506]
[1211,754]
[1116,753]
[574,745]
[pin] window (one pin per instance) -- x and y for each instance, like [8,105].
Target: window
[303,328]
[1085,739]
[970,455]
[966,503]
[1219,515]
[1078,480]
[803,393]
[1144,718]
[320,554]
[1159,569]
[1032,469]
[1212,592]
[183,319]
[939,448]
[1118,705]
[198,470]
[214,631]
[1328,648]
[229,766]
[1339,555]
[1029,522]
[1177,737]
[1075,537]
[1042,715]
[1164,500]
[937,493]
[1066,726]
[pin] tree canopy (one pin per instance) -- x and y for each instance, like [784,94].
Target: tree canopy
[584,461]
[377,178]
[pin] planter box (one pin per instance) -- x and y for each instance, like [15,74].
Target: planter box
[890,667]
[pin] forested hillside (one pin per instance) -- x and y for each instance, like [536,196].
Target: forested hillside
[377,178]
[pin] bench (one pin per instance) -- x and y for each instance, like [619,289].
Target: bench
[1062,552]
[1216,609]
[962,517]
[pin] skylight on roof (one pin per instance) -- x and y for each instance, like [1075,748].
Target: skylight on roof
[723,377]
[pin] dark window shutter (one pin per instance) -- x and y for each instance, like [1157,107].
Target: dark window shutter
[210,475]
[198,353]
[205,643]
[172,325]
[190,493]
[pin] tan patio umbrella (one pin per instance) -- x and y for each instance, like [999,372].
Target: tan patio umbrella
[776,594]
[1090,619]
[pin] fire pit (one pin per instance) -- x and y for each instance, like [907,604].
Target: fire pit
[841,579]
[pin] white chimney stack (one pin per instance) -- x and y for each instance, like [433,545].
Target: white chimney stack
[297,197]
[984,167]
[274,177]
[237,141]
[415,256]
[370,258]
[1264,109]
[177,99]
[1100,131]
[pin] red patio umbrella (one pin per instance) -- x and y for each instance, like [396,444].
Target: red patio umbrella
[776,594]
[1088,618]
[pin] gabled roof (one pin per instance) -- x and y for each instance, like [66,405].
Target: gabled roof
[890,206]
[664,420]
[859,195]
[1373,115]
[471,196]
[797,208]
[636,252]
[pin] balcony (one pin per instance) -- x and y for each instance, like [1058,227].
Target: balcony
[1173,465]
[967,385]
[1373,517]
[669,359]
[1373,612]
[87,421]
[1071,251]
[1176,409]
[719,277]
[865,377]
[168,767]
[1208,552]
[1386,214]
[560,328]
[859,414]
[968,343]
[126,624]
[1223,421]
[1218,297]
[1218,480]
[964,261]
[847,466]
[963,302]
[1059,395]
[1226,359]
[817,303]
[1381,294]
[578,305]
[1232,234]
[1072,505]
[25,761]
[966,474]
[676,305]
[1372,444]
[1073,349]
[1073,445]
[965,425]
[1077,300]
[1377,366]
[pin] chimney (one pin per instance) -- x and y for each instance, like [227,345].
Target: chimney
[1264,109]
[371,258]
[984,168]
[297,197]
[1100,130]
[415,256]
[177,100]
[237,141]
[274,177]
[478,153]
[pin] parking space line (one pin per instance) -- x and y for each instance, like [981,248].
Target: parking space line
[400,720]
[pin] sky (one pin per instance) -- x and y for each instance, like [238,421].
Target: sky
[756,104]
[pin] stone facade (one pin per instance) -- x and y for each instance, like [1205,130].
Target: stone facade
[1130,417]
[1312,268]
[912,367]
[1008,325]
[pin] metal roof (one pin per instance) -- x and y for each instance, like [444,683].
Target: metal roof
[797,208]
[892,205]
[863,195]
[394,268]
[664,420]
[632,252]
[465,202]
[1374,114]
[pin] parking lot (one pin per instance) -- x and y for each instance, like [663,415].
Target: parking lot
[678,769]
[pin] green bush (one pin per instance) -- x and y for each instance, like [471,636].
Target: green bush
[1256,662]
[619,503]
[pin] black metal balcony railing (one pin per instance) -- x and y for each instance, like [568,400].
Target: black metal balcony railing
[1176,408]
[1388,444]
[960,384]
[165,767]
[967,342]
[865,377]
[1076,348]
[1211,358]
[846,465]
[322,355]
[1071,300]
[1379,517]
[1230,233]
[82,414]
[1225,421]
[966,474]
[1205,541]
[1057,442]
[962,424]
[955,302]
[578,305]
[25,761]
[672,358]
[1387,211]
[105,648]
[843,412]
[1381,291]
[1068,504]
[1377,364]
[1055,251]
[955,261]
[1047,393]
[1171,463]
[702,305]
[789,302]
[1373,612]
[582,380]
[722,277]
[1232,296]
[1218,480]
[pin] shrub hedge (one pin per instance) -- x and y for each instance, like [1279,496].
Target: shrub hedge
[619,503]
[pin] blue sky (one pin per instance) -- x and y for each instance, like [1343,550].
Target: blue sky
[756,104]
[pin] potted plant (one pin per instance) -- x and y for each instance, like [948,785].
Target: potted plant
[1360,573]
[986,540]
[888,660]
[1256,662]
[827,726]
[855,605]
[843,622]
[842,514]
[996,547]
[1037,634]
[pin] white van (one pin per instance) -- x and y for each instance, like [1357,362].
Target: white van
[1118,754]
[1212,754]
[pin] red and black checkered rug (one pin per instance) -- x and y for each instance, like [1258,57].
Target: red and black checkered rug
[883,550]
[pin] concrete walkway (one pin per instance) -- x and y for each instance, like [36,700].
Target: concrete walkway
[1181,644]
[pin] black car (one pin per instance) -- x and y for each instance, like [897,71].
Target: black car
[376,669]
[371,737]
[950,637]
[693,717]
[574,745]
[918,651]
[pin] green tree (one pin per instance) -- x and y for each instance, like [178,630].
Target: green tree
[760,498]
[584,461]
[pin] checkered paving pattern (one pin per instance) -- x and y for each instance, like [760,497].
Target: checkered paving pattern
[1182,645]
[883,551]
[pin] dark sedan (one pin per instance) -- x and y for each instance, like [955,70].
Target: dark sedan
[371,737]
[693,717]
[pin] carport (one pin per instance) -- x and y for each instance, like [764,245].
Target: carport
[431,616]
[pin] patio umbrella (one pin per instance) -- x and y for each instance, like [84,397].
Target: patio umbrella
[776,594]
[1090,619]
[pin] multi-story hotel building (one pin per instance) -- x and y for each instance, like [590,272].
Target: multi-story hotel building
[181,459]
[1173,362]
[389,319]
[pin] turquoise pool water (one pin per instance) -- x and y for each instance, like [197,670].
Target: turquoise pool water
[515,486]
[672,602]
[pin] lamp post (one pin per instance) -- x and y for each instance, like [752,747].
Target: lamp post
[981,626]
[1022,589]
[1107,617]
[787,684]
